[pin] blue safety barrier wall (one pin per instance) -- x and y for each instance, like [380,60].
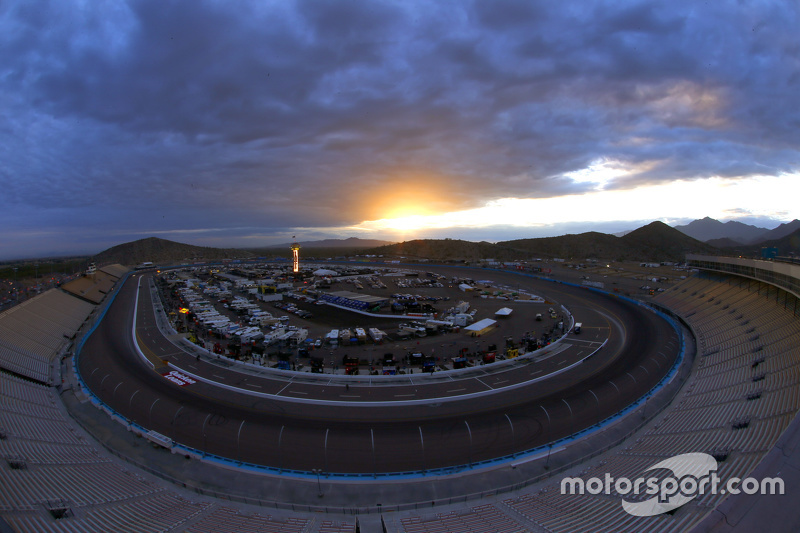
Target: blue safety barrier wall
[98,319]
[185,450]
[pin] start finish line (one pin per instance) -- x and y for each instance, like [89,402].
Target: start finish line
[178,378]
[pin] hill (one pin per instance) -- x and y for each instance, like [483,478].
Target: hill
[657,241]
[724,243]
[579,247]
[161,251]
[447,250]
[707,229]
[789,244]
[784,230]
[350,243]
[654,242]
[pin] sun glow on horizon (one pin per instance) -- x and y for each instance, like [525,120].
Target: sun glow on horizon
[718,198]
[406,224]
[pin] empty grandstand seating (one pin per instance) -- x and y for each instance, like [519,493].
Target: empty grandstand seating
[744,391]
[481,518]
[33,333]
[47,464]
[747,331]
[227,519]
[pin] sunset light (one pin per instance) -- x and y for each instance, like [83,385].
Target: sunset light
[399,265]
[765,196]
[395,121]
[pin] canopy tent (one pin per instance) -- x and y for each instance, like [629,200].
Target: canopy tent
[481,326]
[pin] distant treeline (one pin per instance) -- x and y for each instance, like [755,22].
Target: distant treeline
[29,269]
[308,252]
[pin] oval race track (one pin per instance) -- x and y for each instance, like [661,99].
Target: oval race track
[406,423]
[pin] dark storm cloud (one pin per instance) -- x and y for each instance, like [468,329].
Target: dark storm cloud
[172,116]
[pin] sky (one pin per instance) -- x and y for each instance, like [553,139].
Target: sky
[242,124]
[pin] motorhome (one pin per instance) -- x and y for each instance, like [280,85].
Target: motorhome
[376,335]
[332,337]
[462,319]
[413,330]
[361,335]
[267,320]
[251,334]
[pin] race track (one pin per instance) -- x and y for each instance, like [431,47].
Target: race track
[371,425]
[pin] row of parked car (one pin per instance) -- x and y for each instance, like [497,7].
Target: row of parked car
[291,308]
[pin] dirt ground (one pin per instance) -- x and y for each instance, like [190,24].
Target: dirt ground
[443,347]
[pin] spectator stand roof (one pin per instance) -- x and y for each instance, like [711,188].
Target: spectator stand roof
[115,270]
[91,288]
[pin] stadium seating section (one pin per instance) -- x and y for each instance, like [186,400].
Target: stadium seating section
[743,392]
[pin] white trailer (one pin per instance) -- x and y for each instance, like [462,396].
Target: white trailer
[413,330]
[332,337]
[376,335]
[463,319]
[249,334]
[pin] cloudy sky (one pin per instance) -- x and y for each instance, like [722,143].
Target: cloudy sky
[244,123]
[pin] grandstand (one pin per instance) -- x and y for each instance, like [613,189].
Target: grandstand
[53,478]
[742,395]
[35,332]
[115,270]
[96,283]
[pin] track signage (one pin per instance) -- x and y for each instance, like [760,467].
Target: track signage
[178,378]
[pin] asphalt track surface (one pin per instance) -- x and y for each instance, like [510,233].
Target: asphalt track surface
[401,424]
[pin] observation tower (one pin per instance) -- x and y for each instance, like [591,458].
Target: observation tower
[295,256]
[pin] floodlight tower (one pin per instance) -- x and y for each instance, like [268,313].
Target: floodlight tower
[295,257]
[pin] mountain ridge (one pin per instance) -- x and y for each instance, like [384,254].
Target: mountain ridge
[653,242]
[158,250]
[707,229]
[350,242]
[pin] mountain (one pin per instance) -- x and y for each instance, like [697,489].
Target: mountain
[447,250]
[161,251]
[581,246]
[781,231]
[725,243]
[786,245]
[708,228]
[657,240]
[654,242]
[352,242]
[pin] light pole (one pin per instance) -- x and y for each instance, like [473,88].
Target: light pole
[547,462]
[317,471]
